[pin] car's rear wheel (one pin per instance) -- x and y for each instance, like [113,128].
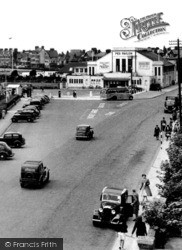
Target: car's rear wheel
[22,185]
[131,98]
[30,120]
[14,120]
[114,98]
[48,176]
[17,144]
[2,156]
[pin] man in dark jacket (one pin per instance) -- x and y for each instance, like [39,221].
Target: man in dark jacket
[140,227]
[157,132]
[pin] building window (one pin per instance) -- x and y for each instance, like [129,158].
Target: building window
[123,65]
[77,70]
[80,80]
[81,70]
[75,80]
[93,71]
[117,65]
[129,65]
[90,71]
[159,71]
[155,71]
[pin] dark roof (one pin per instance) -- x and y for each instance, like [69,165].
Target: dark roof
[69,67]
[52,53]
[155,57]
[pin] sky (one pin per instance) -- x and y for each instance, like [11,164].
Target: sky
[82,24]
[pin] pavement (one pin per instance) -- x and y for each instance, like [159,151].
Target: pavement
[130,242]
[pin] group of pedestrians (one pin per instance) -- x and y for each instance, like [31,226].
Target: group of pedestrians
[139,226]
[164,128]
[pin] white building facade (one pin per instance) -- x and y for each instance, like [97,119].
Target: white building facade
[125,67]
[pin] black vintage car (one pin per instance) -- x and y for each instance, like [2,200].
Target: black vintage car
[5,151]
[13,139]
[23,116]
[115,207]
[34,173]
[169,104]
[84,131]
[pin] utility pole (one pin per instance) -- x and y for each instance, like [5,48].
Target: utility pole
[177,42]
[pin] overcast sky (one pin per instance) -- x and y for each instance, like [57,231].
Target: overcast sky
[81,24]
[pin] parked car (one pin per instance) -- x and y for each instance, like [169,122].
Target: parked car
[34,173]
[84,131]
[29,117]
[36,102]
[5,151]
[115,207]
[13,139]
[27,111]
[169,104]
[34,108]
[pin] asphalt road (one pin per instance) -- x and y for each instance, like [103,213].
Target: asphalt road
[123,149]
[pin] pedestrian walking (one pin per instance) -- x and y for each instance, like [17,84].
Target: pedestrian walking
[168,132]
[145,187]
[174,115]
[74,94]
[171,123]
[122,229]
[157,132]
[3,113]
[163,124]
[135,203]
[140,227]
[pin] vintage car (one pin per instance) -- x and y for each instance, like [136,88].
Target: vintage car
[84,131]
[34,173]
[23,116]
[5,151]
[115,207]
[13,139]
[169,104]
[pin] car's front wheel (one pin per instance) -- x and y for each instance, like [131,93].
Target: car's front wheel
[2,156]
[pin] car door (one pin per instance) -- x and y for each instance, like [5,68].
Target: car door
[8,138]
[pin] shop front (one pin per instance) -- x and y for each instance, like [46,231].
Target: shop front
[115,82]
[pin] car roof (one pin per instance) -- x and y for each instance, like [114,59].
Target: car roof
[9,133]
[117,191]
[30,163]
[83,125]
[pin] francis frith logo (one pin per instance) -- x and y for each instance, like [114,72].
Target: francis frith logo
[144,27]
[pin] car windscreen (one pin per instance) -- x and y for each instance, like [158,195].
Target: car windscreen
[111,197]
[81,128]
[29,169]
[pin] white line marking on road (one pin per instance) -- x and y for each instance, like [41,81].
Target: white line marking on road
[101,105]
[110,113]
[122,104]
[92,114]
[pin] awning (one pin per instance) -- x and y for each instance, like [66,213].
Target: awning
[115,79]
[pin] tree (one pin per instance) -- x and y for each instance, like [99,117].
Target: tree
[14,75]
[33,73]
[166,217]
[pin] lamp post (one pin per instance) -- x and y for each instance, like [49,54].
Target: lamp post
[179,83]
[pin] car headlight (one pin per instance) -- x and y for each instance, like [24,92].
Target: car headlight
[113,212]
[100,210]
